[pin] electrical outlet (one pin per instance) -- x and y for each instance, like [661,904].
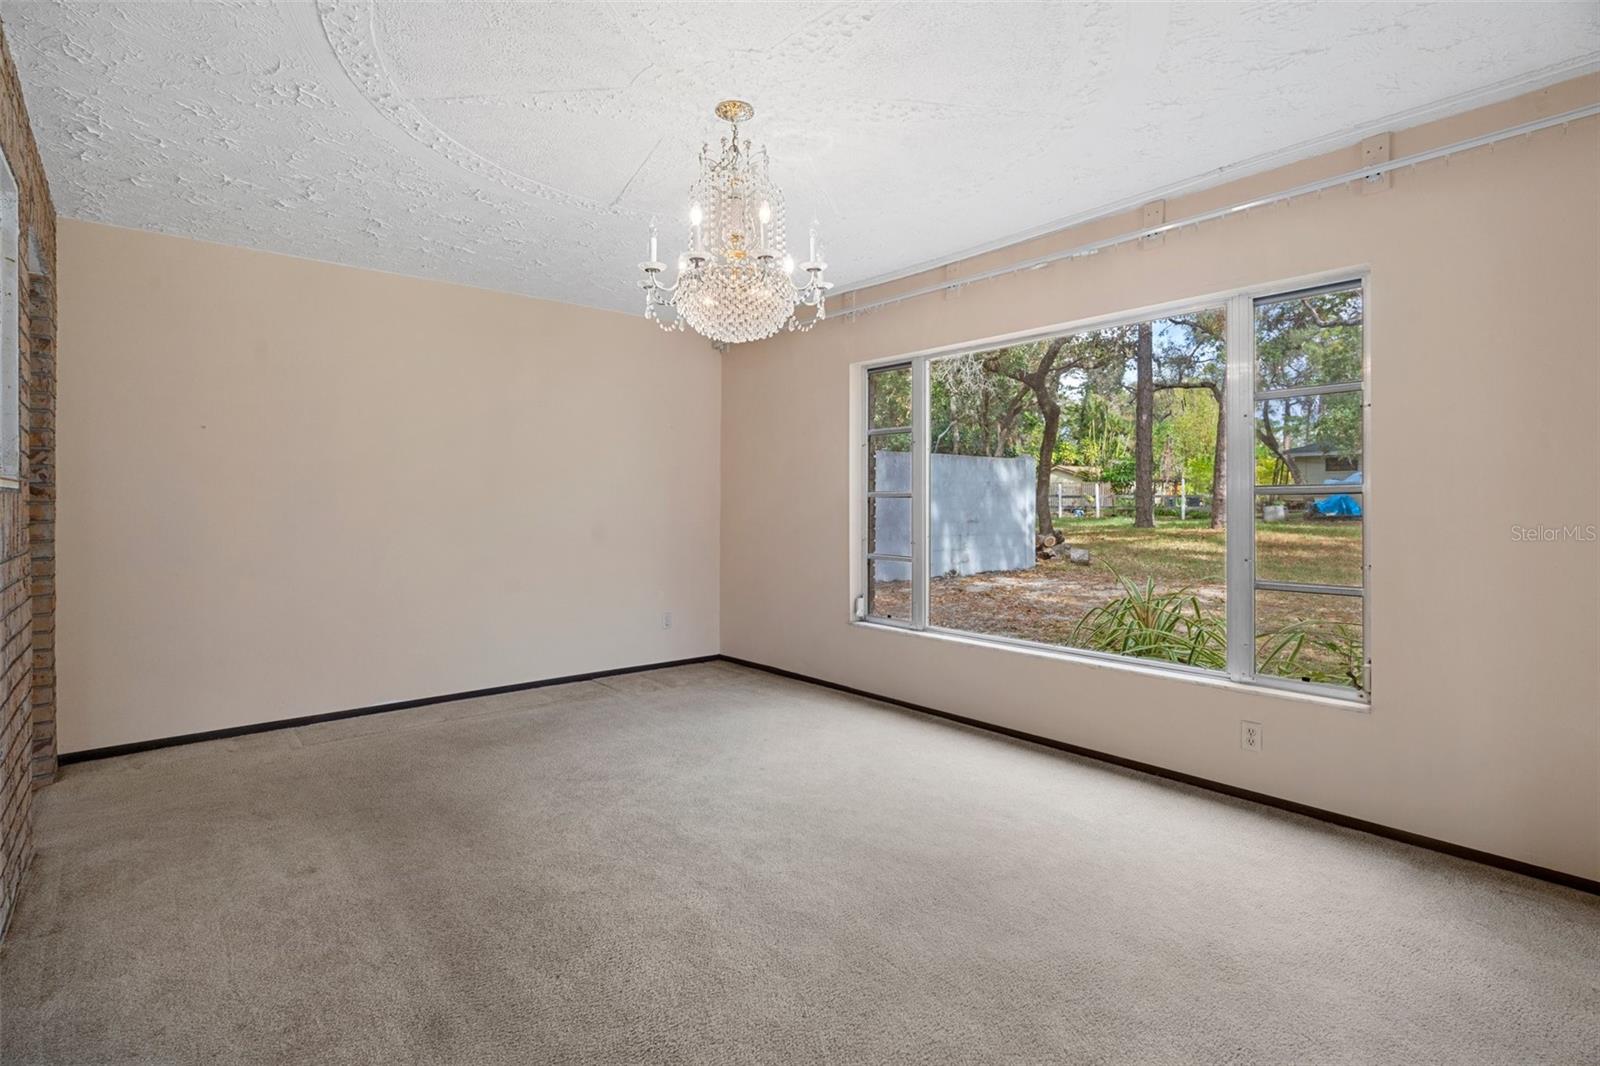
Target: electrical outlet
[666,620]
[1250,736]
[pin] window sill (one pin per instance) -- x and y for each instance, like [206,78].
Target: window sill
[1286,688]
[10,484]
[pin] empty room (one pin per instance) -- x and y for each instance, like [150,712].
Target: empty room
[799,533]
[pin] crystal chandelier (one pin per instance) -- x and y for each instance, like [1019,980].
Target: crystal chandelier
[736,282]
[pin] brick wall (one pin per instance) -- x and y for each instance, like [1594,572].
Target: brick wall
[27,515]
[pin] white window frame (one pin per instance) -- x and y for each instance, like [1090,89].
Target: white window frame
[915,490]
[10,325]
[1241,488]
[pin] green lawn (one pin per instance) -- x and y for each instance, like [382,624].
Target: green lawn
[1184,552]
[1175,553]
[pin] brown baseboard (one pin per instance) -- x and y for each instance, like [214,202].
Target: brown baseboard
[1445,847]
[113,750]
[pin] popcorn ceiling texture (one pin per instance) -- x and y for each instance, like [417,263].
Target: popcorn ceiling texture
[525,147]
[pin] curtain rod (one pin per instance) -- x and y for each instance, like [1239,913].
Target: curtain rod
[1297,191]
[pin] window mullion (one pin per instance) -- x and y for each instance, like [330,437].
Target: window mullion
[919,493]
[1306,490]
[862,592]
[1240,479]
[1303,391]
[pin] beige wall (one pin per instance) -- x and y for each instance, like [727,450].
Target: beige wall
[289,487]
[1485,724]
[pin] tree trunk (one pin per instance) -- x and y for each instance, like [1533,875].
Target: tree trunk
[1144,504]
[1042,382]
[1047,452]
[1008,422]
[983,424]
[1219,461]
[1268,436]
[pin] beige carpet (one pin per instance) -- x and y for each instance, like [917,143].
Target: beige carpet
[710,865]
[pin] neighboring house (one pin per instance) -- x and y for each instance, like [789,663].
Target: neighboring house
[1072,481]
[1320,464]
[1074,486]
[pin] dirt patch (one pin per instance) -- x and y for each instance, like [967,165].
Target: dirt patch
[1043,604]
[1046,603]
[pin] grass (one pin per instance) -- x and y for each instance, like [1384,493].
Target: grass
[1176,552]
[1186,552]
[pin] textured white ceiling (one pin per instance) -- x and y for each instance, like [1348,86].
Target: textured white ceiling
[524,147]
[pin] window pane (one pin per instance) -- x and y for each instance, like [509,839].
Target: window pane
[889,589]
[889,525]
[889,398]
[1310,638]
[1309,440]
[1309,540]
[1148,581]
[889,469]
[1309,340]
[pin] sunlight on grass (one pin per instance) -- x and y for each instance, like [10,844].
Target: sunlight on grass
[1178,553]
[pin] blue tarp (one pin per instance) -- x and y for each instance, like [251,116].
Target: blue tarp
[1343,505]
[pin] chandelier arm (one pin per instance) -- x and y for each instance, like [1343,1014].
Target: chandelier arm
[805,325]
[653,304]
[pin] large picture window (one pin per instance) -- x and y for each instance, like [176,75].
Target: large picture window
[1185,488]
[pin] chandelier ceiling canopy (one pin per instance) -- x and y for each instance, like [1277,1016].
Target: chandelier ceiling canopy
[736,279]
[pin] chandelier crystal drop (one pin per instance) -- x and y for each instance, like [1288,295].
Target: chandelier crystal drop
[736,280]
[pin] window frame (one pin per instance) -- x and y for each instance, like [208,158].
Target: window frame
[911,495]
[1241,401]
[10,330]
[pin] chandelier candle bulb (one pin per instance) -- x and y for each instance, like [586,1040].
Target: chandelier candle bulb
[726,289]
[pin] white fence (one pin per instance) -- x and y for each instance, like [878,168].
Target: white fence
[980,514]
